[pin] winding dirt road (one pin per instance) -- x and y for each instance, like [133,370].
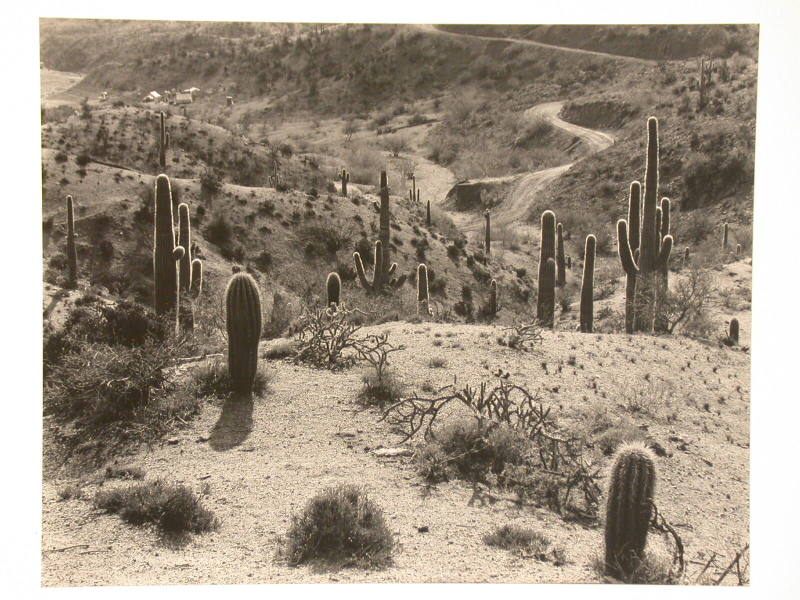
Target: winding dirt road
[525,187]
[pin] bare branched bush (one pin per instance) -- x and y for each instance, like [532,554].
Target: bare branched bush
[687,298]
[556,465]
[522,336]
[326,334]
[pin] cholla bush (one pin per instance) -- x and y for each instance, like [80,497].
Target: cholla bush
[340,524]
[513,440]
[522,336]
[326,335]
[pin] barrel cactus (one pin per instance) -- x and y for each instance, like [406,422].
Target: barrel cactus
[243,321]
[733,331]
[587,285]
[72,253]
[333,289]
[165,253]
[197,279]
[493,298]
[629,508]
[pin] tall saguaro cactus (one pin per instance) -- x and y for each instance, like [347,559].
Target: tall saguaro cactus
[653,250]
[428,214]
[423,304]
[165,253]
[725,237]
[333,289]
[628,244]
[384,269]
[561,272]
[243,322]
[629,508]
[546,300]
[345,181]
[72,253]
[587,285]
[162,141]
[493,298]
[487,241]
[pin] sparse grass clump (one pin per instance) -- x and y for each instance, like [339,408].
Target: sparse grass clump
[213,380]
[380,389]
[173,508]
[124,472]
[342,525]
[525,542]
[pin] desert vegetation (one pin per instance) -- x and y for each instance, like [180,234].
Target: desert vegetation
[271,334]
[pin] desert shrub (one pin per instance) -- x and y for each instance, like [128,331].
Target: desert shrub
[280,317]
[521,336]
[325,334]
[210,182]
[340,524]
[381,386]
[686,301]
[525,542]
[281,348]
[324,239]
[470,449]
[380,390]
[173,508]
[124,472]
[219,231]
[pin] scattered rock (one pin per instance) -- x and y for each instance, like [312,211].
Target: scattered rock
[423,529]
[173,441]
[391,452]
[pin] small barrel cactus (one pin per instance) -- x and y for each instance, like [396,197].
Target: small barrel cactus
[243,321]
[197,279]
[733,331]
[333,289]
[72,253]
[629,508]
[587,286]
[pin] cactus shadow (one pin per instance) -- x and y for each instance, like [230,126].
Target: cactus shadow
[234,424]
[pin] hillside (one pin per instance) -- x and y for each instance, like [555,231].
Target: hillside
[554,119]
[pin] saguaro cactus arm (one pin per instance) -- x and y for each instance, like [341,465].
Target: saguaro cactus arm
[624,247]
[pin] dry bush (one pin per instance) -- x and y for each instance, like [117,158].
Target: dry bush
[686,302]
[342,525]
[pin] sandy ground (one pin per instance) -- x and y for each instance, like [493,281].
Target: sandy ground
[308,433]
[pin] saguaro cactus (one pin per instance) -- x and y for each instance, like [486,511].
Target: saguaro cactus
[428,213]
[653,250]
[629,508]
[162,141]
[662,272]
[382,275]
[165,253]
[487,242]
[725,237]
[243,321]
[587,285]
[423,305]
[561,277]
[546,300]
[493,298]
[333,289]
[197,279]
[345,181]
[733,331]
[72,253]
[185,241]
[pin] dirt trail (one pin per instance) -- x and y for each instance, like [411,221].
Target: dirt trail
[435,29]
[514,209]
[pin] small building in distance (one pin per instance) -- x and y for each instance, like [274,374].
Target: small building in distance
[153,97]
[183,98]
